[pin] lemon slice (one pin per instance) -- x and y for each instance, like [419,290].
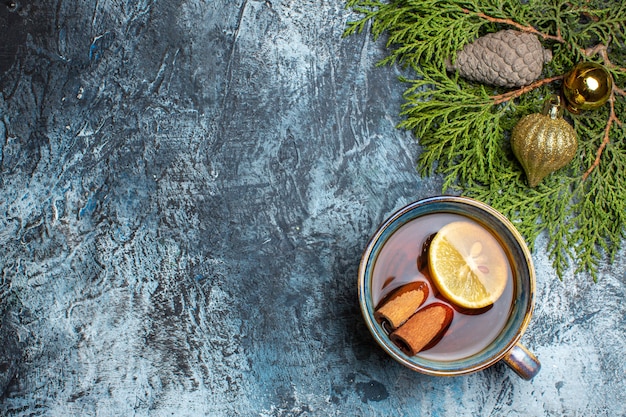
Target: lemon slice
[468,265]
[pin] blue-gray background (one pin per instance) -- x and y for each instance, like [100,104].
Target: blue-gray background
[186,188]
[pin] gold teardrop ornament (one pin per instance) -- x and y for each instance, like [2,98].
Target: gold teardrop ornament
[586,87]
[544,142]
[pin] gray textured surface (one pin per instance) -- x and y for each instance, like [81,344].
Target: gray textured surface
[186,188]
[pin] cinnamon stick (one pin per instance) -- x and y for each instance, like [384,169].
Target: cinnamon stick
[401,304]
[423,329]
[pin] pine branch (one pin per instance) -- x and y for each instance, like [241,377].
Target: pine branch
[518,26]
[463,127]
[607,131]
[509,95]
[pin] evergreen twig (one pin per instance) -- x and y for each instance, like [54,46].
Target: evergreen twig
[522,28]
[509,95]
[463,127]
[607,134]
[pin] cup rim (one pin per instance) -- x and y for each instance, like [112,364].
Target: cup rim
[445,368]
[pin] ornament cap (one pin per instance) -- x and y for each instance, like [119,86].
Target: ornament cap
[553,107]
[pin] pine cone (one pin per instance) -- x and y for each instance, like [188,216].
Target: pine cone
[507,58]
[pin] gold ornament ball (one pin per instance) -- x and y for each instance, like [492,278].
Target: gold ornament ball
[587,86]
[544,142]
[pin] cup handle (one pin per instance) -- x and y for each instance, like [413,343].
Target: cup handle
[522,361]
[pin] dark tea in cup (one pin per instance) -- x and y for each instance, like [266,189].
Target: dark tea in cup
[404,260]
[422,315]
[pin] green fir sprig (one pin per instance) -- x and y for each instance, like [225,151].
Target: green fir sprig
[464,127]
